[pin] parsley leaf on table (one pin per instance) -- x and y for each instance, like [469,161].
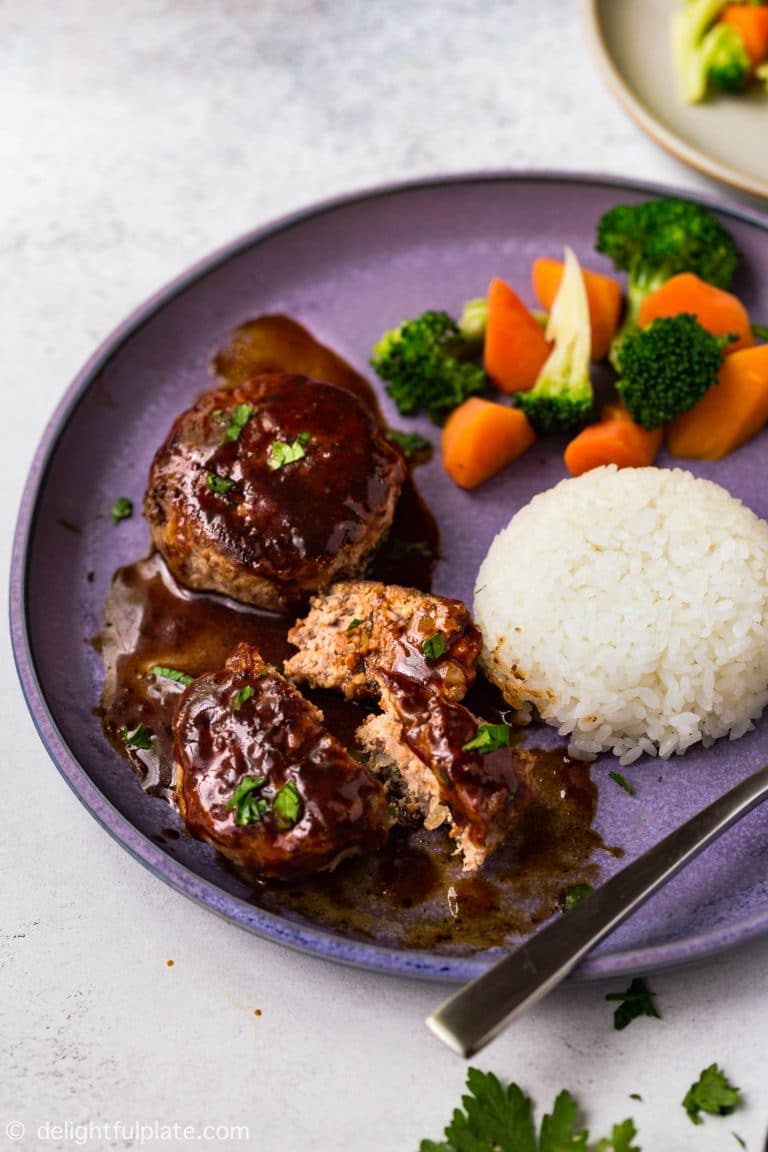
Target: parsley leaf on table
[712,1093]
[496,1119]
[636,1001]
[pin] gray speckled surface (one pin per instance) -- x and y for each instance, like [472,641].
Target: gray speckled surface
[135,139]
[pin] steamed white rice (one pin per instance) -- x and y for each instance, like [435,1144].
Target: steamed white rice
[630,609]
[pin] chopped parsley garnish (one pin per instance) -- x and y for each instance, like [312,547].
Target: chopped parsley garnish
[498,1119]
[122,509]
[489,737]
[622,782]
[139,737]
[636,1001]
[434,646]
[712,1093]
[409,443]
[354,623]
[241,696]
[250,807]
[287,805]
[635,1096]
[282,453]
[399,549]
[218,484]
[238,420]
[171,674]
[574,895]
[741,1143]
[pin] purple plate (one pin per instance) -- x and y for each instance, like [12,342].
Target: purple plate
[349,269]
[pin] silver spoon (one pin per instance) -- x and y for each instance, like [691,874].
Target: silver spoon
[473,1016]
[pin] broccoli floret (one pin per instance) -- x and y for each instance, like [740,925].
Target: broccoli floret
[561,399]
[691,23]
[667,367]
[423,364]
[710,56]
[725,59]
[657,239]
[474,320]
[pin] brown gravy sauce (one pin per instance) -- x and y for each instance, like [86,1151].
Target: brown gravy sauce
[413,893]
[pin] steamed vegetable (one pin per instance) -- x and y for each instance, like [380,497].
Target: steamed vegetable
[480,438]
[733,411]
[425,364]
[603,299]
[751,23]
[561,399]
[719,312]
[708,56]
[473,320]
[615,439]
[657,239]
[516,348]
[667,367]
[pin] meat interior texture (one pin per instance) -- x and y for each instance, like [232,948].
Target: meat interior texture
[358,626]
[273,489]
[415,654]
[260,778]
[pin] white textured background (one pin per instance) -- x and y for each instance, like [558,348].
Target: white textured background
[134,138]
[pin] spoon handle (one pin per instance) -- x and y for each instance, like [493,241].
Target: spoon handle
[474,1015]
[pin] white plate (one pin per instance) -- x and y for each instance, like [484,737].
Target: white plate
[726,137]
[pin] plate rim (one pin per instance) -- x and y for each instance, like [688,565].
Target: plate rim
[306,938]
[669,140]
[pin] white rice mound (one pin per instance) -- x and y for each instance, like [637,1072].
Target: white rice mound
[630,609]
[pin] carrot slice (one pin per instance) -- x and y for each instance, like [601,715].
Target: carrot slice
[717,311]
[618,441]
[603,299]
[516,348]
[480,438]
[730,413]
[752,25]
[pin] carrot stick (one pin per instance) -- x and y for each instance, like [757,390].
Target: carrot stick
[603,299]
[480,438]
[515,345]
[717,311]
[618,440]
[730,413]
[752,25]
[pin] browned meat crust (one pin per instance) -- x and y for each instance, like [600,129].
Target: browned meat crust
[230,514]
[248,723]
[357,627]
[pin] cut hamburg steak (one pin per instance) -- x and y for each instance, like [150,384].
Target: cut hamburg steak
[260,778]
[272,490]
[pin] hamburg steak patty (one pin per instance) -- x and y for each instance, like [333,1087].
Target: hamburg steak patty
[359,626]
[431,741]
[415,654]
[260,778]
[272,489]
